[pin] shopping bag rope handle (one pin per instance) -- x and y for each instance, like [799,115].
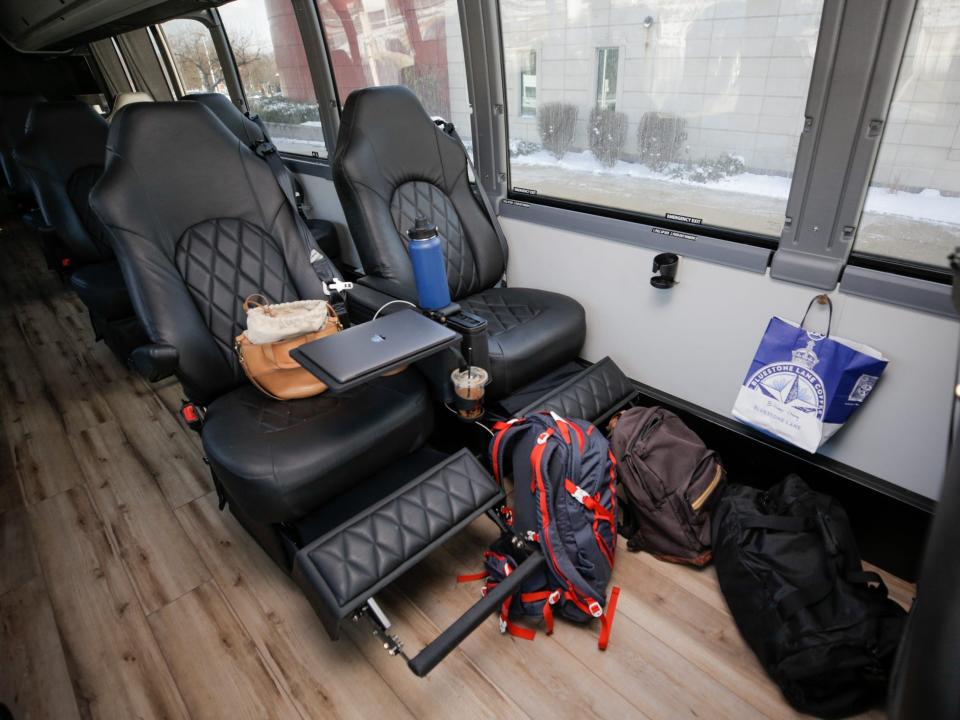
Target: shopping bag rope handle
[822,299]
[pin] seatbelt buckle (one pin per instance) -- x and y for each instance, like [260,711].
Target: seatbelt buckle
[192,415]
[336,286]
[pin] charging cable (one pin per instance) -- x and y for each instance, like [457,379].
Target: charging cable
[392,302]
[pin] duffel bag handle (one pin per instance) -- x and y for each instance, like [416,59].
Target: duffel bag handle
[776,522]
[822,299]
[796,601]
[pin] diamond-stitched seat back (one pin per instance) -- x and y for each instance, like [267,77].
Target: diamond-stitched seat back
[423,198]
[198,223]
[392,160]
[223,262]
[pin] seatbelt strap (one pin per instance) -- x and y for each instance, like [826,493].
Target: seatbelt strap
[332,285]
[480,192]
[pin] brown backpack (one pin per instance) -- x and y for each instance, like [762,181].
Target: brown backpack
[669,482]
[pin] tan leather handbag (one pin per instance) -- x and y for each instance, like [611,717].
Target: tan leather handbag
[270,367]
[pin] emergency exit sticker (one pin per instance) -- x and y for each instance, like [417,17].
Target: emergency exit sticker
[684,218]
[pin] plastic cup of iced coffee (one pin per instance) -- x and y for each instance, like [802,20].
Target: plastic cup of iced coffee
[469,384]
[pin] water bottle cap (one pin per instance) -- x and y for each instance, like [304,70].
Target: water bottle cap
[422,229]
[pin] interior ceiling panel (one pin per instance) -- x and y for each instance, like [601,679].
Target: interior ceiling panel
[60,24]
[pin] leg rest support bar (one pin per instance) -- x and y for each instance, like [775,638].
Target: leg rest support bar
[445,642]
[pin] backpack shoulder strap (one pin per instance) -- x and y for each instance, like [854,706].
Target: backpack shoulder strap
[506,433]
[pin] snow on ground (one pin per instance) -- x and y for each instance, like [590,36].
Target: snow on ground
[927,205]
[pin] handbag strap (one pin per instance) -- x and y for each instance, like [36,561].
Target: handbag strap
[480,193]
[822,299]
[252,301]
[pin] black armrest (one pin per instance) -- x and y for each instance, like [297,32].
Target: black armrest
[386,287]
[155,362]
[364,301]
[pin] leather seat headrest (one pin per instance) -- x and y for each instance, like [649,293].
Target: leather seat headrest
[388,113]
[128,98]
[229,114]
[144,129]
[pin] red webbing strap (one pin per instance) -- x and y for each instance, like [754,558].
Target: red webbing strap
[548,617]
[471,577]
[550,597]
[606,620]
[581,438]
[590,503]
[508,627]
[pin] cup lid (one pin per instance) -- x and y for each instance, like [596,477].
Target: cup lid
[471,377]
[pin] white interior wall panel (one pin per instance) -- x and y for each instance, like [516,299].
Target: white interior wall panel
[696,341]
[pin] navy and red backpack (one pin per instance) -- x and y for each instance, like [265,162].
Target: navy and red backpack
[564,478]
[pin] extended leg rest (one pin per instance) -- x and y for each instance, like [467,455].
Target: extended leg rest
[341,571]
[593,395]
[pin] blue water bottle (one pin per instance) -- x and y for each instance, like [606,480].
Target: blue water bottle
[429,267]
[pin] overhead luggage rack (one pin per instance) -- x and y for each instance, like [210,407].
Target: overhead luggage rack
[341,571]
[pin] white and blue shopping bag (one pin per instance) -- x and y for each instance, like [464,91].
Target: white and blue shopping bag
[803,386]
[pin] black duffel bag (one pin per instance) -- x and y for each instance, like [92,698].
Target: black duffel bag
[822,627]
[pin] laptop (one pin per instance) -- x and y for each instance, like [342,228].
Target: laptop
[360,353]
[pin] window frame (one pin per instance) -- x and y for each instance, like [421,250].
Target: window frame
[855,164]
[728,234]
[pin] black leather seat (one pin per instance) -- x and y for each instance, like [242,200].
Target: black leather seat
[391,163]
[251,134]
[285,458]
[199,222]
[14,108]
[62,153]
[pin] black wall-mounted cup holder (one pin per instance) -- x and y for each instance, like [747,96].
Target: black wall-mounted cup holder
[666,265]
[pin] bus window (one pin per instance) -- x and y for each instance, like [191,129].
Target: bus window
[194,55]
[688,110]
[270,57]
[417,44]
[912,211]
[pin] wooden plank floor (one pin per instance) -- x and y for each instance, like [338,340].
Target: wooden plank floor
[125,593]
